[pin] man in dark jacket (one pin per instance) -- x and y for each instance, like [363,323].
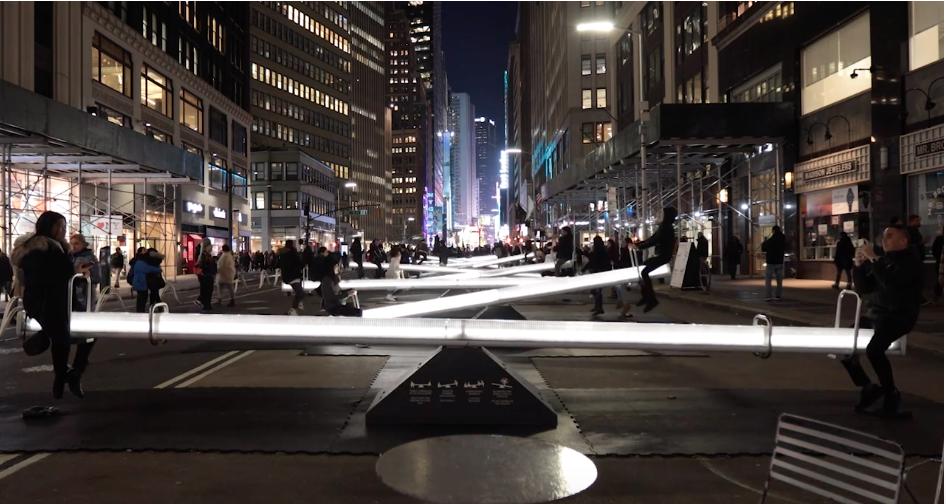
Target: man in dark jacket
[663,242]
[358,255]
[774,248]
[892,285]
[290,268]
[564,249]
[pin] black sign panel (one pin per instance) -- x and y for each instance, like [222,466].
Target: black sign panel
[829,171]
[928,148]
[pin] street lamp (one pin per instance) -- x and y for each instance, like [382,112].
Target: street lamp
[607,26]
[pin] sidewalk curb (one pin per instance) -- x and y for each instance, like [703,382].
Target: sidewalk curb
[916,341]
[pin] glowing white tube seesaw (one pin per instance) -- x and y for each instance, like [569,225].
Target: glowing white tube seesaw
[501,272]
[496,261]
[433,283]
[556,285]
[456,332]
[423,268]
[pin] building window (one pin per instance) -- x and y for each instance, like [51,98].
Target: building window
[601,98]
[586,64]
[187,55]
[152,29]
[259,172]
[239,138]
[275,200]
[828,63]
[111,65]
[292,200]
[595,132]
[218,173]
[276,171]
[192,111]
[259,201]
[653,71]
[292,171]
[926,33]
[601,65]
[216,34]
[218,126]
[113,116]
[158,135]
[188,11]
[238,179]
[585,99]
[155,91]
[766,87]
[585,4]
[650,17]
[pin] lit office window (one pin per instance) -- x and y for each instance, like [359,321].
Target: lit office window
[113,116]
[276,171]
[601,65]
[155,91]
[828,63]
[601,96]
[585,99]
[158,135]
[218,173]
[292,200]
[192,111]
[587,133]
[586,64]
[275,200]
[259,201]
[111,65]
[926,33]
[602,132]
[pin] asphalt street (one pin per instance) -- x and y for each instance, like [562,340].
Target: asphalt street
[197,422]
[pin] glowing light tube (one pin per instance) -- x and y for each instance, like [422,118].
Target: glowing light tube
[434,283]
[509,271]
[423,268]
[556,285]
[501,260]
[453,332]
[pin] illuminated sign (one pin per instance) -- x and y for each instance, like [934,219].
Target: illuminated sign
[193,207]
[218,213]
[928,148]
[829,171]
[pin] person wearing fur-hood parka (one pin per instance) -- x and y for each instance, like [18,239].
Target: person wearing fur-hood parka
[43,270]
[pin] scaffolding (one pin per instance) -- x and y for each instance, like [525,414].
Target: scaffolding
[113,203]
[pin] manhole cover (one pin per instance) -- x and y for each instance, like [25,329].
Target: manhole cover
[485,469]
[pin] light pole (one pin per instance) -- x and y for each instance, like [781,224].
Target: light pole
[606,26]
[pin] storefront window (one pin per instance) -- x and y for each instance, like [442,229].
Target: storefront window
[828,64]
[111,65]
[155,91]
[925,198]
[926,33]
[824,215]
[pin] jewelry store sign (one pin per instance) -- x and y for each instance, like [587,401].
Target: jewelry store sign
[829,171]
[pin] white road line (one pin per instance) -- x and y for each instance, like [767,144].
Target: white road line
[22,464]
[196,369]
[213,370]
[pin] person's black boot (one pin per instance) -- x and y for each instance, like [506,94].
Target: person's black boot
[74,380]
[651,305]
[891,407]
[870,393]
[59,385]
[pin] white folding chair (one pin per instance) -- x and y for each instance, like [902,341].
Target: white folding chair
[841,464]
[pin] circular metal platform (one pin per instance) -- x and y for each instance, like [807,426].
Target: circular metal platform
[485,469]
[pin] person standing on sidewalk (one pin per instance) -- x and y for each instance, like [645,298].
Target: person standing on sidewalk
[663,243]
[892,286]
[290,267]
[226,274]
[732,256]
[843,259]
[394,271]
[117,262]
[564,250]
[208,273]
[598,262]
[774,248]
[358,255]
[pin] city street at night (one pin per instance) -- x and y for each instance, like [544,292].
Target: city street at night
[471,252]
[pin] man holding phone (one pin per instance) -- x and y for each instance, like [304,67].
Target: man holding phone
[891,285]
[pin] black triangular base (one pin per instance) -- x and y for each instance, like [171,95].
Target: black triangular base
[461,386]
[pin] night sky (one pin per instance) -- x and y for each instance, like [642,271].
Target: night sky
[476,45]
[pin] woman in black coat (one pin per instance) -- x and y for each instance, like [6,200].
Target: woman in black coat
[46,270]
[598,262]
[843,259]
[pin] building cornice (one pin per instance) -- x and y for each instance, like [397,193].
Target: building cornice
[132,39]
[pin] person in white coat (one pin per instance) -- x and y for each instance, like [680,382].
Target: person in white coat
[394,270]
[226,274]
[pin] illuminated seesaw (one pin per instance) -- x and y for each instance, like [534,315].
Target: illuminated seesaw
[433,283]
[491,392]
[523,291]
